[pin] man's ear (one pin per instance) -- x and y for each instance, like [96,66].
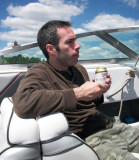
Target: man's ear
[51,49]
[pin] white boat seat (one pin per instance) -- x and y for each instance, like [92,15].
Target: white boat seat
[46,137]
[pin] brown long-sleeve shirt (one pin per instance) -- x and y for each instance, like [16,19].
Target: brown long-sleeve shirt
[45,90]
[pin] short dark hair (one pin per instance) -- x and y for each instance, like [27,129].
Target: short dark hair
[48,34]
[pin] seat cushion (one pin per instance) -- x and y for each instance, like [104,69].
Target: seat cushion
[52,126]
[18,130]
[29,130]
[44,137]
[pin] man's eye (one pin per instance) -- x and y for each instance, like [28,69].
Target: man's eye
[69,41]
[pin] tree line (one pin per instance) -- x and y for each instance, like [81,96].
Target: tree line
[19,59]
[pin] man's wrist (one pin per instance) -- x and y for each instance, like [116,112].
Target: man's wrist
[78,93]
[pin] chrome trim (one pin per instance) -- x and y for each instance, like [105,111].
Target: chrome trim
[106,31]
[18,48]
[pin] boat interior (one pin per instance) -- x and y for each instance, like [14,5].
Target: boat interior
[48,137]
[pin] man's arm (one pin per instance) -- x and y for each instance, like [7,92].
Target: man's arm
[37,96]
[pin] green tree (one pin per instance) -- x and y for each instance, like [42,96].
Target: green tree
[19,59]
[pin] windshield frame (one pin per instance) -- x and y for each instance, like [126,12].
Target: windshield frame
[102,34]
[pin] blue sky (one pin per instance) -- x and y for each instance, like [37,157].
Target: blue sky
[20,20]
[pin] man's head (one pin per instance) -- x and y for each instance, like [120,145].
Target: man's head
[58,43]
[48,35]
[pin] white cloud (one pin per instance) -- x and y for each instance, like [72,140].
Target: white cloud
[107,21]
[79,30]
[131,3]
[24,21]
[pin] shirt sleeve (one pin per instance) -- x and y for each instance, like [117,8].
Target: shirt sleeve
[36,96]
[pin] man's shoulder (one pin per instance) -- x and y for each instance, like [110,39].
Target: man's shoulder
[40,65]
[40,68]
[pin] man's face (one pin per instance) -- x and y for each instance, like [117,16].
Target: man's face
[69,48]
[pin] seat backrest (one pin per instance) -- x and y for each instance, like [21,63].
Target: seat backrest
[46,137]
[9,83]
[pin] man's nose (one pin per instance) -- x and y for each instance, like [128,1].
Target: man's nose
[77,46]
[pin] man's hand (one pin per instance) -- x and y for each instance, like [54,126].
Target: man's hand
[91,90]
[108,82]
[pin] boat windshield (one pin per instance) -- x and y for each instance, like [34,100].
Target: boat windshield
[115,44]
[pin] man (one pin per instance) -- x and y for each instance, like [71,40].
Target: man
[60,84]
